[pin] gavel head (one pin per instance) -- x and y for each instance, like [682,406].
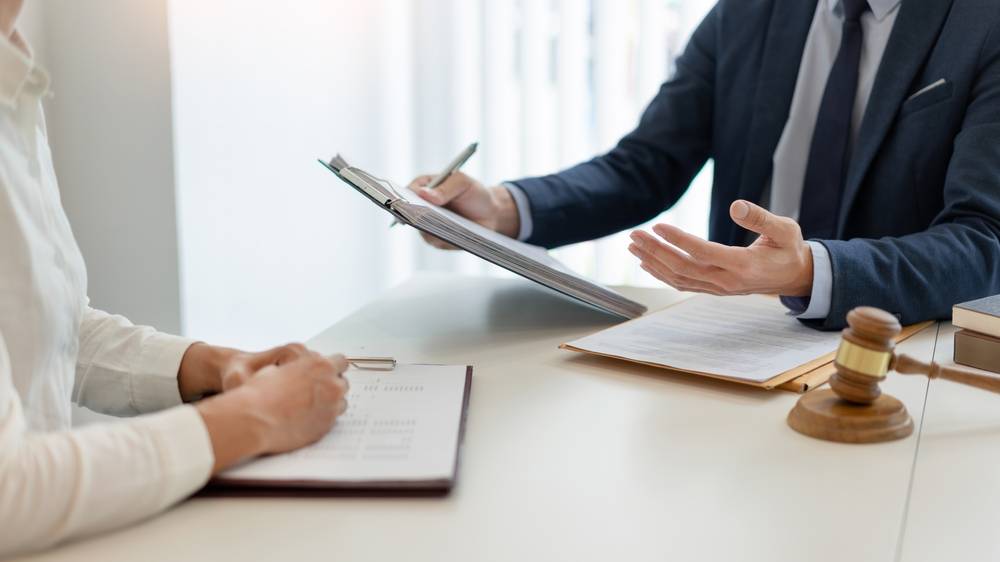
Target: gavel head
[865,353]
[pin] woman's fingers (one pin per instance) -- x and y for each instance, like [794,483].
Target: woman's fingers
[339,364]
[244,365]
[341,406]
[277,356]
[235,376]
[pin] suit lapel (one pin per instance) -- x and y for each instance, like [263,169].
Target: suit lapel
[788,29]
[914,34]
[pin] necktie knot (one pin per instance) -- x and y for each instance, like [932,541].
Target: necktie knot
[853,9]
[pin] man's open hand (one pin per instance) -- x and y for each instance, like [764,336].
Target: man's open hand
[779,262]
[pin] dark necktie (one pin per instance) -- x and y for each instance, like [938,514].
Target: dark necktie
[828,155]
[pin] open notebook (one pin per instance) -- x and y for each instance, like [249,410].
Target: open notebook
[528,261]
[401,432]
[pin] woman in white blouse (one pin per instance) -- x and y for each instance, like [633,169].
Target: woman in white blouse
[57,482]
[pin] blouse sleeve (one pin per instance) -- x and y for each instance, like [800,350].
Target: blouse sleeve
[60,485]
[125,370]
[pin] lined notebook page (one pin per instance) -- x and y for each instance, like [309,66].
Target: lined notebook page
[400,426]
[748,338]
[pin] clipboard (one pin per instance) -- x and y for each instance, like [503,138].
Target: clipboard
[384,456]
[531,262]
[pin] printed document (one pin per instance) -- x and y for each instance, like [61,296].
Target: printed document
[748,338]
[402,425]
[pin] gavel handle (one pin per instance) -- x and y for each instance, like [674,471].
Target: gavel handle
[906,365]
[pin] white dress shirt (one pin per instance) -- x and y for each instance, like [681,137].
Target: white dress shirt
[792,153]
[791,157]
[57,482]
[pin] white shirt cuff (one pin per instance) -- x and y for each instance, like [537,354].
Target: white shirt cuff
[155,386]
[523,210]
[818,306]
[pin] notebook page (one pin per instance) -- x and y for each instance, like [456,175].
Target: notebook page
[749,338]
[401,425]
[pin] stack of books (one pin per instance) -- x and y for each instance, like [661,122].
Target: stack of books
[977,344]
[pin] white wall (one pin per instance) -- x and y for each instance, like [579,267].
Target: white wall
[110,130]
[273,246]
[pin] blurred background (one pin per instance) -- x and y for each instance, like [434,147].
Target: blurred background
[185,135]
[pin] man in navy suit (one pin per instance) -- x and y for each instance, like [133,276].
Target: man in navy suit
[857,160]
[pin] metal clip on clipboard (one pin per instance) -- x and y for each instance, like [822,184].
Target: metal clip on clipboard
[377,189]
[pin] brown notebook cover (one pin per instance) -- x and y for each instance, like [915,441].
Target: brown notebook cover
[382,488]
[977,350]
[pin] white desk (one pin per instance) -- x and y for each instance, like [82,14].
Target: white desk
[568,458]
[954,505]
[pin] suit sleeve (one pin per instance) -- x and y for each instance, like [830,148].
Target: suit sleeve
[60,485]
[125,370]
[649,169]
[920,276]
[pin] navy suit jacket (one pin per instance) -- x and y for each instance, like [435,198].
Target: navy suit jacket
[919,224]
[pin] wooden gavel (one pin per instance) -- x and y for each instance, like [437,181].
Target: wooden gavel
[853,409]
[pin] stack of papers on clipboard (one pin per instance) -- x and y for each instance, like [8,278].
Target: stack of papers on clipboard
[528,261]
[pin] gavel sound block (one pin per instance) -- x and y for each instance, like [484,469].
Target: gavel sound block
[853,409]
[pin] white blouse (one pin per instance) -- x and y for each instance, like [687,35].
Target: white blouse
[57,482]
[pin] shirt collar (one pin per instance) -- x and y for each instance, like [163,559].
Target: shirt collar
[880,8]
[18,71]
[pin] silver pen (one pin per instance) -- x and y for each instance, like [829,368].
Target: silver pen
[457,163]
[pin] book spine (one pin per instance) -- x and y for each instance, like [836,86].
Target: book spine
[977,351]
[976,321]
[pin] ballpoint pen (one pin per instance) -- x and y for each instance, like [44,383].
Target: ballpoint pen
[453,167]
[457,163]
[372,363]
